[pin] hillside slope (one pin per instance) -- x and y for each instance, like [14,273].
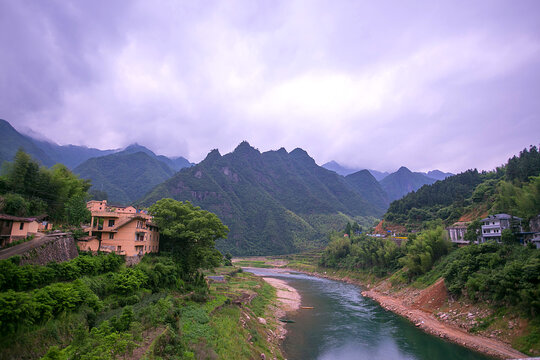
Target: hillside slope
[402,182]
[125,177]
[369,188]
[274,202]
[11,141]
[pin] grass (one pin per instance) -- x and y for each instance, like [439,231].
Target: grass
[253,263]
[530,342]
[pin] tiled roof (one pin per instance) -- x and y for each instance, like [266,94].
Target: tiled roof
[17,218]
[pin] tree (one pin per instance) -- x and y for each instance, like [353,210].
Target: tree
[76,211]
[190,233]
[508,237]
[473,230]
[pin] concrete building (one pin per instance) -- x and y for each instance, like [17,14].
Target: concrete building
[123,230]
[457,231]
[13,228]
[493,225]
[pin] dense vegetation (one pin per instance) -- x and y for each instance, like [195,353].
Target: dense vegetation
[273,203]
[28,277]
[94,307]
[189,233]
[511,188]
[28,189]
[124,176]
[382,256]
[503,274]
[369,188]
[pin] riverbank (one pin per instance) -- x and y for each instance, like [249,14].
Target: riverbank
[425,320]
[421,308]
[288,300]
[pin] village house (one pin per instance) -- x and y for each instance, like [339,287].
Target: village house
[13,228]
[457,231]
[493,225]
[123,230]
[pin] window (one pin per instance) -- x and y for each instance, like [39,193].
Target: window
[22,226]
[111,235]
[111,223]
[119,248]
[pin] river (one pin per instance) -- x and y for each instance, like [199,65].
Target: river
[344,325]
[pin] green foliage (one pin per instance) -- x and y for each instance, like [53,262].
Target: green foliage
[439,200]
[473,231]
[29,189]
[522,201]
[27,277]
[376,255]
[190,233]
[76,211]
[273,203]
[519,169]
[424,251]
[504,274]
[125,177]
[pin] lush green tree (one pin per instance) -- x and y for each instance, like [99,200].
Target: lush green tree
[190,233]
[508,237]
[28,189]
[423,252]
[76,211]
[473,231]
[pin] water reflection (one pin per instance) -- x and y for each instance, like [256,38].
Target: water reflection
[345,325]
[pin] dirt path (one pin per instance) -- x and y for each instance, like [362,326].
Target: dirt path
[430,324]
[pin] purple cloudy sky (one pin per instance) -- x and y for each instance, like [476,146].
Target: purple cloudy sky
[376,84]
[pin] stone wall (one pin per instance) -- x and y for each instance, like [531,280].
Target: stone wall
[54,247]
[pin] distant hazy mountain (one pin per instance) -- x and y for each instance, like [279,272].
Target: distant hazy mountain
[175,163]
[344,170]
[124,176]
[274,202]
[438,175]
[70,155]
[378,175]
[369,188]
[402,182]
[11,141]
[340,169]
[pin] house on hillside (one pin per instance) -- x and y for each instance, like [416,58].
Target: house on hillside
[123,230]
[493,225]
[457,231]
[13,228]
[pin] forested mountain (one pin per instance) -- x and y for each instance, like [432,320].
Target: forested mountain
[11,141]
[124,176]
[402,182]
[513,188]
[274,202]
[175,163]
[48,153]
[370,189]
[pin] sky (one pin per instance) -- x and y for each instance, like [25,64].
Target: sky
[426,84]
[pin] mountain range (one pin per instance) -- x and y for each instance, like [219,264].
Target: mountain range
[123,174]
[379,175]
[273,202]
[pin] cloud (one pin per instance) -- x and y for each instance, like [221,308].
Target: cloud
[375,85]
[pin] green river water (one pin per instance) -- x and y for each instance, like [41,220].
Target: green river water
[344,325]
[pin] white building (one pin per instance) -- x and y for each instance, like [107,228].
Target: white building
[493,225]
